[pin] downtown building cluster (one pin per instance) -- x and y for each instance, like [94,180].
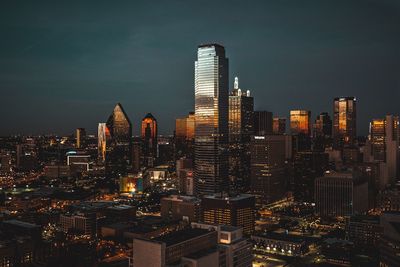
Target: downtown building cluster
[233,186]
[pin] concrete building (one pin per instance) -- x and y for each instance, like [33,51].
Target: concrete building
[234,249]
[268,165]
[229,210]
[181,208]
[193,247]
[340,194]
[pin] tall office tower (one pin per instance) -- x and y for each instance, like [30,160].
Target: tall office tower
[184,127]
[278,125]
[241,108]
[103,139]
[229,210]
[323,125]
[383,147]
[300,122]
[322,131]
[263,122]
[344,121]
[268,166]
[211,120]
[120,155]
[300,128]
[80,137]
[136,156]
[307,166]
[340,194]
[149,137]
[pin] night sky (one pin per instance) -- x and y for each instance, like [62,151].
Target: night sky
[65,64]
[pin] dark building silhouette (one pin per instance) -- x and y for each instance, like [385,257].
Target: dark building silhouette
[322,132]
[263,122]
[149,136]
[269,154]
[278,125]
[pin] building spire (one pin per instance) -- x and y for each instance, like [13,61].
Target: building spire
[236,84]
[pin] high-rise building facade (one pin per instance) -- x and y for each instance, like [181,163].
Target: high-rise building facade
[300,128]
[268,168]
[323,125]
[149,136]
[120,153]
[241,108]
[80,137]
[211,119]
[229,210]
[340,194]
[184,127]
[322,132]
[344,121]
[383,147]
[278,125]
[300,122]
[103,138]
[263,122]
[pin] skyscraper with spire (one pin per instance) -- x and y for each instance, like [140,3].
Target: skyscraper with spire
[119,155]
[241,110]
[149,137]
[211,118]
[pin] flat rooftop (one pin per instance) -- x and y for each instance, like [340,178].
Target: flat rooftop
[230,198]
[21,224]
[181,236]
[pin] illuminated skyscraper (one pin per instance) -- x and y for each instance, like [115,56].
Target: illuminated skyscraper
[241,108]
[300,122]
[344,121]
[120,154]
[184,127]
[80,137]
[211,112]
[103,137]
[383,147]
[149,137]
[300,128]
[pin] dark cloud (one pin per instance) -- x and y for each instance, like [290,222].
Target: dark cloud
[64,64]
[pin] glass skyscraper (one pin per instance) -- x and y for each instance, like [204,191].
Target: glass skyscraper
[103,136]
[211,118]
[120,151]
[344,121]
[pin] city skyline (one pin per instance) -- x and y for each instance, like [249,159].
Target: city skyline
[79,68]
